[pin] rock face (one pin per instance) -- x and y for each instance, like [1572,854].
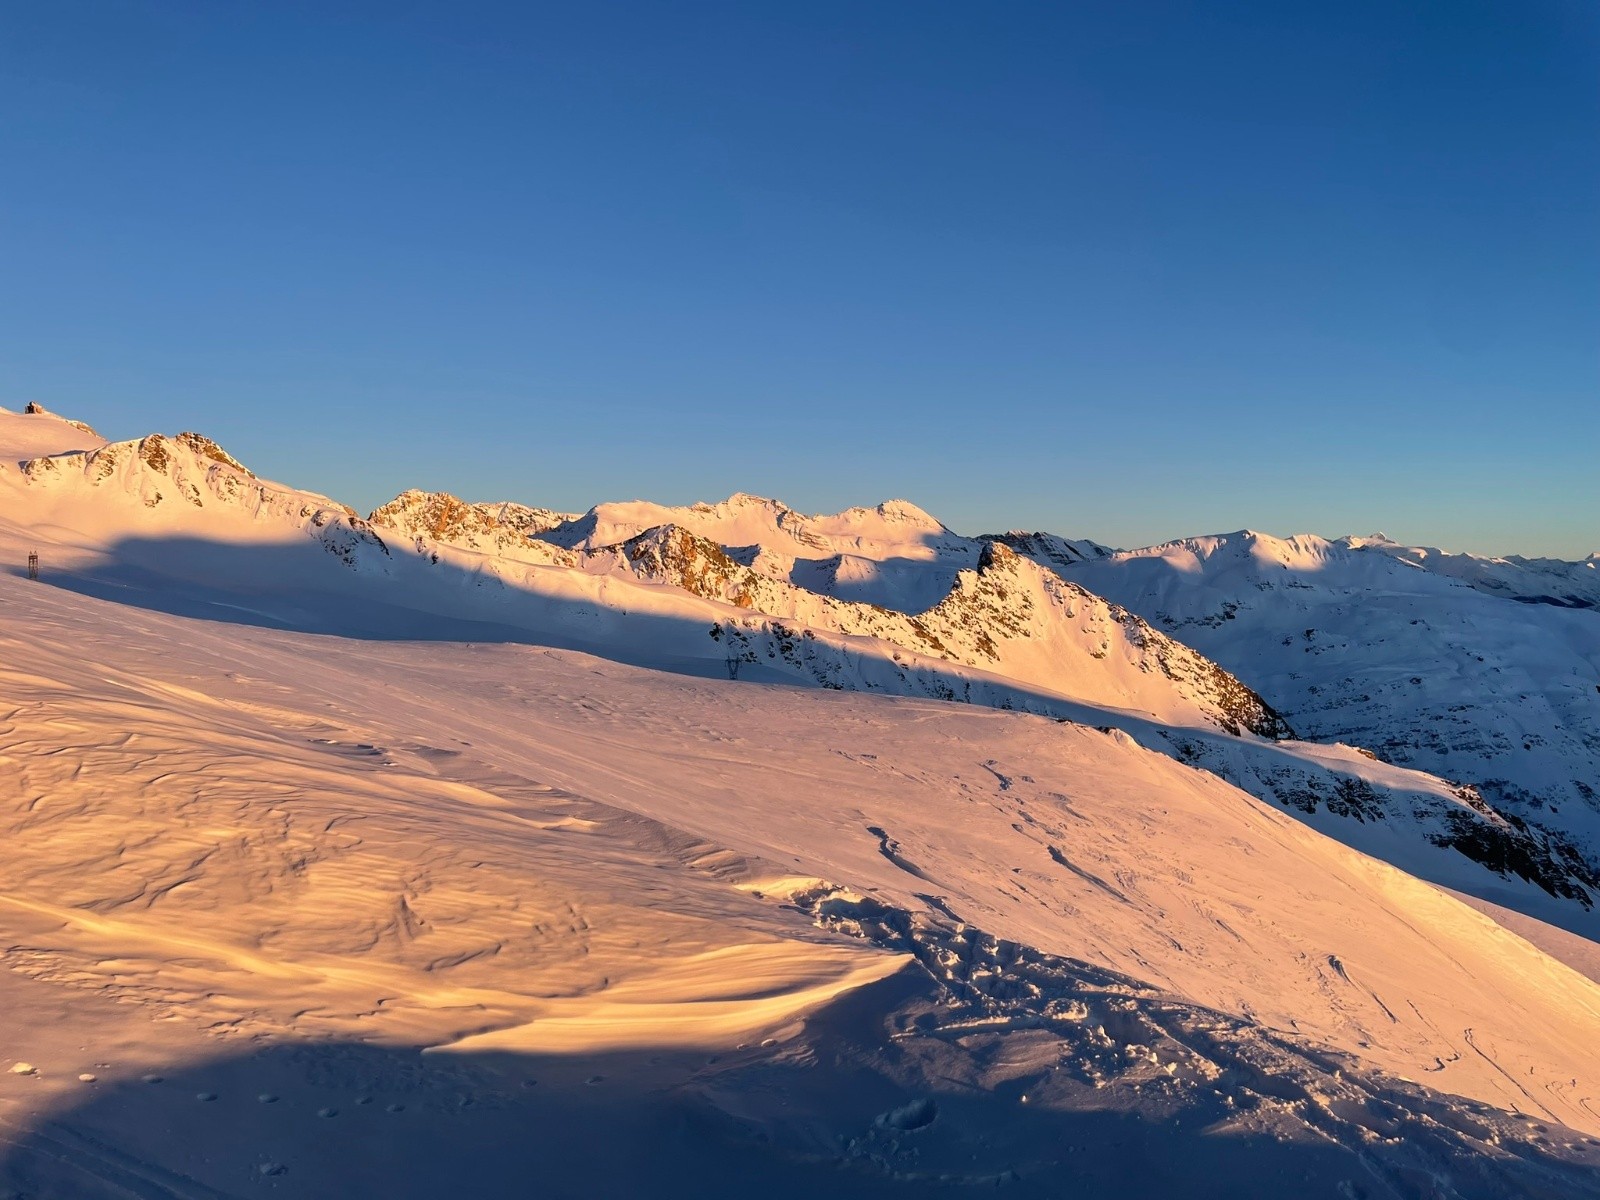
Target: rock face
[206,448]
[503,528]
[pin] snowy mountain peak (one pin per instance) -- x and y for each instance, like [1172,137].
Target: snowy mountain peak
[183,464]
[997,555]
[741,502]
[178,504]
[32,409]
[1533,580]
[893,512]
[500,528]
[207,448]
[35,433]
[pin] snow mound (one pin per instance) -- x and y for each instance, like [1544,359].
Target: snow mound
[37,432]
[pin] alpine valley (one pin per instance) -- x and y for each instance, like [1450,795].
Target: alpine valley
[483,849]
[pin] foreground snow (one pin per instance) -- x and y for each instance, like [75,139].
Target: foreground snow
[767,935]
[376,915]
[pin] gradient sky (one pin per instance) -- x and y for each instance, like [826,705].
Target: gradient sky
[1127,271]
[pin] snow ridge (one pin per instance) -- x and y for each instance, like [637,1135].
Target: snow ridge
[1415,655]
[1007,633]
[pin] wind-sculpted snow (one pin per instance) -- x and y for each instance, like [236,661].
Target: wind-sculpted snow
[179,524]
[1371,644]
[757,937]
[1099,1034]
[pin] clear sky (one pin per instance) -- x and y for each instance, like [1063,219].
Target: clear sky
[1120,270]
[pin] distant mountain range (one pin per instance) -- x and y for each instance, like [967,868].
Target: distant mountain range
[1440,711]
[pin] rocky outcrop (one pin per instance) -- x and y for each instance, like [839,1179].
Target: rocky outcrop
[501,529]
[1007,616]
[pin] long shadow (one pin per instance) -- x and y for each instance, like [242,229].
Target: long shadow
[855,1112]
[391,593]
[860,1118]
[394,594]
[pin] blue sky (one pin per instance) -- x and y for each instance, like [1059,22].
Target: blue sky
[1128,271]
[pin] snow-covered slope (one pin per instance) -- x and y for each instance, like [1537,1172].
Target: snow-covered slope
[766,937]
[37,431]
[1531,580]
[1027,624]
[1065,652]
[78,494]
[1369,644]
[177,524]
[1004,615]
[893,555]
[663,931]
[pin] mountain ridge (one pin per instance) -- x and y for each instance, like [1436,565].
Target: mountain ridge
[1008,633]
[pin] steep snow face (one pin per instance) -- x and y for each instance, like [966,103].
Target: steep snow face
[251,878]
[1361,644]
[1532,580]
[894,555]
[1051,550]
